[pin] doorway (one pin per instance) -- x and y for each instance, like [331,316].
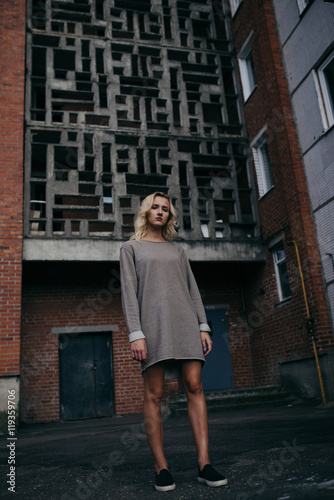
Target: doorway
[86,376]
[217,372]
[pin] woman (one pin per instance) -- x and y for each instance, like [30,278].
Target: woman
[167,329]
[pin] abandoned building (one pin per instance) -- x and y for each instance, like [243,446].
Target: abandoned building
[107,101]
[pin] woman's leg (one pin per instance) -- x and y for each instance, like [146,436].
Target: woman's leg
[153,392]
[197,411]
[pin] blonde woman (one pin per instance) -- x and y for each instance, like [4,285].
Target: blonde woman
[167,329]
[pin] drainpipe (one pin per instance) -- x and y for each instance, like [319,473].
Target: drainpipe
[310,320]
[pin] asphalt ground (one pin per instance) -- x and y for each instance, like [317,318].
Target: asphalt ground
[268,453]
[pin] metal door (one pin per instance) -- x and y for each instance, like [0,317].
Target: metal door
[86,376]
[217,372]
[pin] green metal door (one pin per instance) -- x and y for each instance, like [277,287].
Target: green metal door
[86,377]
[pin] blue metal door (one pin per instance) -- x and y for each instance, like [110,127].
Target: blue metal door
[217,372]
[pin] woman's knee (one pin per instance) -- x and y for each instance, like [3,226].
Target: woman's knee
[154,382]
[154,393]
[193,385]
[191,377]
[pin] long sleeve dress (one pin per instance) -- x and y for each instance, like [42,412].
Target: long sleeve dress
[161,302]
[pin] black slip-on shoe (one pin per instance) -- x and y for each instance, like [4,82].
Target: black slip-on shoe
[211,477]
[164,481]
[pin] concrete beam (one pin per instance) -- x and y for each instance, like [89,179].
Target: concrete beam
[108,250]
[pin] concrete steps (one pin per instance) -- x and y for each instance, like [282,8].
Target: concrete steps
[236,399]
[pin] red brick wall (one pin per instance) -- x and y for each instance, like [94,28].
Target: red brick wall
[12,71]
[279,333]
[70,295]
[77,294]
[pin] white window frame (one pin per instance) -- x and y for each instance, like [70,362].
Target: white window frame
[325,94]
[262,164]
[234,4]
[246,67]
[278,261]
[302,4]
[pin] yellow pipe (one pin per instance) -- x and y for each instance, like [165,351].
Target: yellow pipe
[309,317]
[302,280]
[319,373]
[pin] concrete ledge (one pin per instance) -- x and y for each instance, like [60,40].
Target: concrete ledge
[7,384]
[74,330]
[236,399]
[108,250]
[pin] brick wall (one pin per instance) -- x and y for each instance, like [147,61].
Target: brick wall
[59,295]
[12,68]
[278,331]
[70,295]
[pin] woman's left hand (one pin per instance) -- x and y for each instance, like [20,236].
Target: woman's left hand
[206,343]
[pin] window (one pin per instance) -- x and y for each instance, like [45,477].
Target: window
[281,273]
[302,4]
[234,6]
[262,165]
[324,79]
[246,67]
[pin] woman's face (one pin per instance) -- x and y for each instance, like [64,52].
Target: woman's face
[158,215]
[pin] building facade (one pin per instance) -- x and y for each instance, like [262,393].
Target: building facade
[121,100]
[269,74]
[309,63]
[113,100]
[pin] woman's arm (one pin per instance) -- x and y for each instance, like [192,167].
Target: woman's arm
[139,350]
[130,305]
[206,343]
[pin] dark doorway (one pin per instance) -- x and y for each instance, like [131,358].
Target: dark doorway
[217,372]
[86,376]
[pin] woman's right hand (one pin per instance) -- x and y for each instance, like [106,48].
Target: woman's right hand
[139,350]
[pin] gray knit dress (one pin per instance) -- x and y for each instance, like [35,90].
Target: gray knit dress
[161,302]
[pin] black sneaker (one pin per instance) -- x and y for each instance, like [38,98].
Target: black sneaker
[211,477]
[164,481]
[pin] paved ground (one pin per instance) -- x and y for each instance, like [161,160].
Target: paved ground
[267,453]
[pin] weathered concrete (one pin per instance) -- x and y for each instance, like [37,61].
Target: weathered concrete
[9,399]
[8,384]
[300,377]
[270,453]
[108,250]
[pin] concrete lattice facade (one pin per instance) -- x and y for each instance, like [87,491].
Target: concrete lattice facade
[126,98]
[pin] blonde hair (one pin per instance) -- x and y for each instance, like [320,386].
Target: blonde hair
[168,231]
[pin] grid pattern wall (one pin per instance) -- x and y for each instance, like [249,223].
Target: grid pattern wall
[125,98]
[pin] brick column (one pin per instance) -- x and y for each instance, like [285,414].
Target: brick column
[12,76]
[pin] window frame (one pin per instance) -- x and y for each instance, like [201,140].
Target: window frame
[325,96]
[263,170]
[247,69]
[302,5]
[278,274]
[234,6]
